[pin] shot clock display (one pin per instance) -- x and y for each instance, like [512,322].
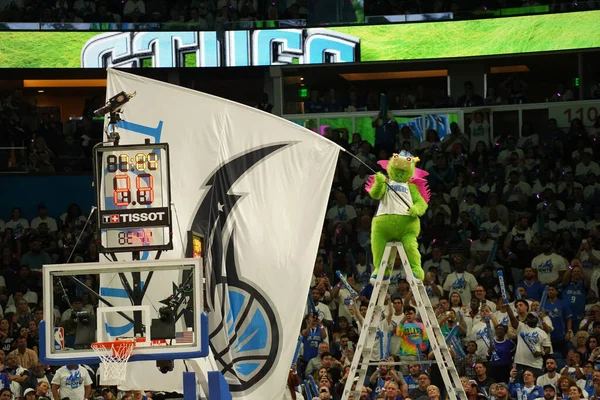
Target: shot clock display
[133,196]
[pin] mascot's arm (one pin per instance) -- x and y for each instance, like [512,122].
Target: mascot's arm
[379,187]
[419,205]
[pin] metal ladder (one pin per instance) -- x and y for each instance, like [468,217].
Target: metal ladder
[368,332]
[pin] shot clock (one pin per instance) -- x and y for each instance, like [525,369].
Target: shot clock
[133,196]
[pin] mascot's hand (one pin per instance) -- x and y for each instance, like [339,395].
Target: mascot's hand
[380,178]
[412,211]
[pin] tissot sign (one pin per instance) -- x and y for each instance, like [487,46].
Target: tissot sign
[233,48]
[134,218]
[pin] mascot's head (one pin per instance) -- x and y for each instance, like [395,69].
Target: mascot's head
[402,166]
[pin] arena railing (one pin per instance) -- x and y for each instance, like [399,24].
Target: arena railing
[502,118]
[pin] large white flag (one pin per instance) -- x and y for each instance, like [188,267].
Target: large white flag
[257,187]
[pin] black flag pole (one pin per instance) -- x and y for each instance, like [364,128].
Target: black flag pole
[375,173]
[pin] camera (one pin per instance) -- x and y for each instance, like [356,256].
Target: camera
[82,316]
[165,366]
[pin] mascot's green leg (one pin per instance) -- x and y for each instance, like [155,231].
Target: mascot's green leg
[378,242]
[411,247]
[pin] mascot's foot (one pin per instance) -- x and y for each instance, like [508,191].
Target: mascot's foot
[386,276]
[418,273]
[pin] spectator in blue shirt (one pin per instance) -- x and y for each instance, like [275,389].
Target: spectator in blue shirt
[574,294]
[312,336]
[529,389]
[505,349]
[561,317]
[532,286]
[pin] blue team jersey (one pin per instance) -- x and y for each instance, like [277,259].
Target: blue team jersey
[311,344]
[558,312]
[573,295]
[411,382]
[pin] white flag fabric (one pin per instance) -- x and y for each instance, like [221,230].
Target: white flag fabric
[257,187]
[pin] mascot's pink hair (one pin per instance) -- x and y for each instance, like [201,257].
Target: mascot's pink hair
[418,179]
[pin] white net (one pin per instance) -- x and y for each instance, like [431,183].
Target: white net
[114,357]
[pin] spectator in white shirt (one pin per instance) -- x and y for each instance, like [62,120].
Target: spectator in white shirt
[85,7]
[43,217]
[550,266]
[195,18]
[134,7]
[16,223]
[341,212]
[587,166]
[504,155]
[571,223]
[72,382]
[227,3]
[480,131]
[516,189]
[493,226]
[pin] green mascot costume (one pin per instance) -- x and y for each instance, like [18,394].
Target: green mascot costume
[403,198]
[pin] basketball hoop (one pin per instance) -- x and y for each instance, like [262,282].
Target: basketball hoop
[114,357]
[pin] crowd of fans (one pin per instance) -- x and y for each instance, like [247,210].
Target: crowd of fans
[196,14]
[26,246]
[510,91]
[527,205]
[34,140]
[470,8]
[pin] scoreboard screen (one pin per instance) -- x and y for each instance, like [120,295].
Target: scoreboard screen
[133,197]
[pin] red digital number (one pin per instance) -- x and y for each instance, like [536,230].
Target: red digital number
[145,194]
[121,192]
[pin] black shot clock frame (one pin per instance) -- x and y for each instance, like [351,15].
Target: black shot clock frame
[133,195]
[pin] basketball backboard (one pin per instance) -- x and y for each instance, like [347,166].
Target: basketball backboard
[157,302]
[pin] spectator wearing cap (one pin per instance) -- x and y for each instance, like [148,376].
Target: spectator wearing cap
[549,392]
[502,391]
[561,317]
[29,394]
[536,338]
[413,338]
